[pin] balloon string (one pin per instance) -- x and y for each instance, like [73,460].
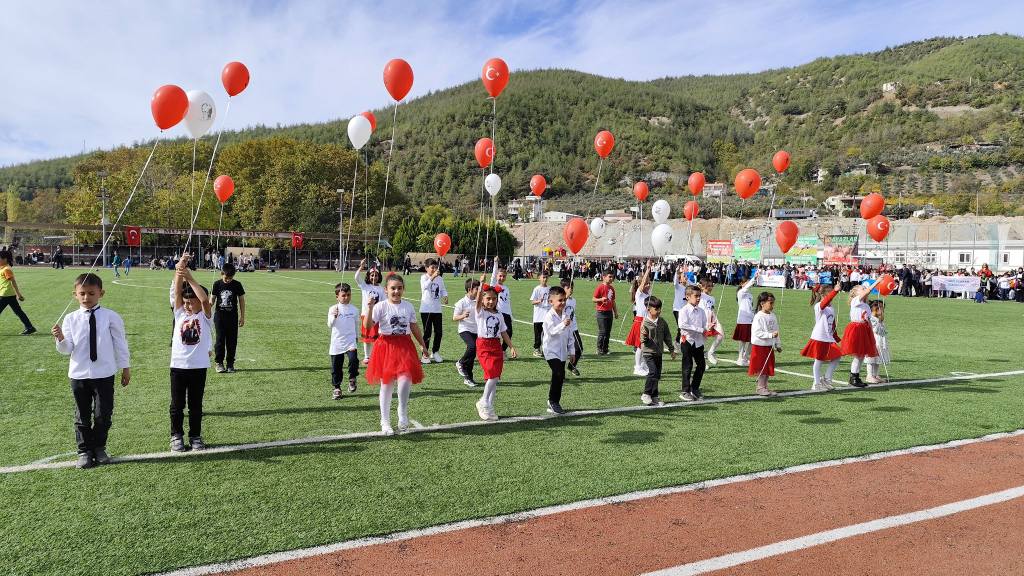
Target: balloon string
[213,156]
[103,248]
[192,179]
[494,123]
[479,219]
[220,224]
[351,214]
[387,176]
[600,163]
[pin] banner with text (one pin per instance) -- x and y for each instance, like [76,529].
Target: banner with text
[719,251]
[956,283]
[747,251]
[841,249]
[815,278]
[805,251]
[771,279]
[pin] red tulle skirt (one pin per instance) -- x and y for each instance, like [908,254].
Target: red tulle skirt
[858,340]
[741,333]
[490,356]
[369,336]
[394,356]
[762,361]
[824,351]
[634,332]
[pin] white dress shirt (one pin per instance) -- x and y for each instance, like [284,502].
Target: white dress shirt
[557,341]
[692,321]
[111,345]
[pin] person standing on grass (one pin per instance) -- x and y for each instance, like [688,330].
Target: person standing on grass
[127,265]
[190,357]
[764,339]
[881,342]
[94,338]
[433,295]
[341,319]
[10,294]
[858,339]
[558,346]
[371,290]
[498,277]
[570,309]
[655,338]
[714,330]
[692,322]
[606,311]
[491,332]
[541,306]
[465,315]
[744,318]
[822,346]
[638,294]
[228,297]
[394,361]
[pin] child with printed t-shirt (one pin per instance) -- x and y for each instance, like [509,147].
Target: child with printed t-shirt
[190,358]
[342,319]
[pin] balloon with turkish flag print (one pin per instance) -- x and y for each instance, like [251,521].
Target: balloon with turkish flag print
[298,239]
[484,152]
[575,234]
[494,76]
[538,184]
[603,143]
[696,183]
[886,285]
[442,244]
[878,228]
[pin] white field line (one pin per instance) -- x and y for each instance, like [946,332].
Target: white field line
[551,510]
[460,425]
[827,536]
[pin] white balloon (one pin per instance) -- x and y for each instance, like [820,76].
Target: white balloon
[660,211]
[202,111]
[492,184]
[359,131]
[597,226]
[661,239]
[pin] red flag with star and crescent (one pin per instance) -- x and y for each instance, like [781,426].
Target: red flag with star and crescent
[133,235]
[297,240]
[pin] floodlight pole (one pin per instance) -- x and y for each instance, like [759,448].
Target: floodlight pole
[341,226]
[103,214]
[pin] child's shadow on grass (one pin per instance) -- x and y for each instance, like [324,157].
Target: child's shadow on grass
[340,406]
[634,437]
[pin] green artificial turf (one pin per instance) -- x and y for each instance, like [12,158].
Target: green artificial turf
[143,517]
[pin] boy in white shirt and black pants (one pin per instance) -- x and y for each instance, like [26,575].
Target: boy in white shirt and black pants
[558,346]
[465,315]
[692,323]
[432,295]
[190,358]
[342,319]
[94,338]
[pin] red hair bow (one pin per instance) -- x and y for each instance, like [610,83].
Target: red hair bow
[486,287]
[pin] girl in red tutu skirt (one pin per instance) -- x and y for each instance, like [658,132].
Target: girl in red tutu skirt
[822,346]
[394,361]
[744,317]
[371,289]
[764,340]
[639,292]
[858,338]
[491,333]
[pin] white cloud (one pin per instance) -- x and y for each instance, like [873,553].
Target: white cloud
[80,71]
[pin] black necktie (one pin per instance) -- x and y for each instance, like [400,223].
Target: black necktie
[92,334]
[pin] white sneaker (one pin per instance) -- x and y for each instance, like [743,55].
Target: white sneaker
[819,386]
[458,368]
[386,429]
[424,359]
[646,400]
[437,357]
[469,382]
[403,426]
[712,359]
[492,416]
[827,384]
[481,409]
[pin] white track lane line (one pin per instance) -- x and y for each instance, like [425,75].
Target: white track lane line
[827,536]
[551,510]
[460,425]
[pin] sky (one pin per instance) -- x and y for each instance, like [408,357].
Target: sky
[79,76]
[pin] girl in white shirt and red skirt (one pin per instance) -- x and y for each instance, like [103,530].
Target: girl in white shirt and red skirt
[639,293]
[822,346]
[858,338]
[764,340]
[491,333]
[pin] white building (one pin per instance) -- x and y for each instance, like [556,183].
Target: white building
[529,209]
[616,216]
[559,216]
[714,190]
[821,175]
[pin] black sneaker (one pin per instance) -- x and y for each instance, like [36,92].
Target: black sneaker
[575,371]
[230,369]
[555,408]
[85,460]
[29,331]
[196,442]
[352,385]
[178,444]
[220,368]
[101,456]
[856,382]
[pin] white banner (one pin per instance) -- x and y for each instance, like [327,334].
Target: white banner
[956,283]
[771,279]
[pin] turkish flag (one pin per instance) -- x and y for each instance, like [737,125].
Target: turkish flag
[297,240]
[132,236]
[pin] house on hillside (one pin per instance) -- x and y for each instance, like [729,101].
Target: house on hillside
[821,175]
[559,216]
[862,169]
[714,190]
[527,209]
[842,205]
[616,216]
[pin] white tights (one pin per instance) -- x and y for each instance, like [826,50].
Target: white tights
[386,390]
[490,391]
[855,364]
[744,355]
[638,361]
[367,350]
[829,370]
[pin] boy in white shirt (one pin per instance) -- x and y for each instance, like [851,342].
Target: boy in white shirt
[692,323]
[465,315]
[342,319]
[558,346]
[94,338]
[541,305]
[190,358]
[432,295]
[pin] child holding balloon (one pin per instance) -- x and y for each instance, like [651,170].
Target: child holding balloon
[639,293]
[858,339]
[764,340]
[744,318]
[714,329]
[498,277]
[371,291]
[822,346]
[570,309]
[465,316]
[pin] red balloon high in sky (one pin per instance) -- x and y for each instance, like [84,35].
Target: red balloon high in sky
[168,106]
[235,78]
[398,78]
[484,152]
[494,76]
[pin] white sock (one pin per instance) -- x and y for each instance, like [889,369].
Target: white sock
[873,370]
[386,390]
[714,345]
[831,370]
[404,388]
[366,350]
[816,369]
[638,360]
[490,390]
[855,364]
[745,352]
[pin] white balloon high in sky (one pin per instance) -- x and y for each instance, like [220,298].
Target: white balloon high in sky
[493,184]
[660,211]
[597,226]
[661,239]
[359,131]
[202,111]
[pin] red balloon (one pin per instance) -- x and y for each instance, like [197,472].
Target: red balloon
[398,78]
[234,77]
[575,234]
[780,161]
[886,285]
[641,191]
[168,106]
[878,228]
[785,235]
[696,183]
[223,187]
[691,209]
[538,184]
[748,182]
[494,76]
[442,244]
[871,205]
[603,143]
[372,119]
[484,152]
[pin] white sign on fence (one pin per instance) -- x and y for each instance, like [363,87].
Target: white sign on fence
[956,283]
[771,279]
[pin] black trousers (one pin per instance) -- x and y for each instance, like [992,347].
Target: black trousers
[338,367]
[469,356]
[227,337]
[538,330]
[557,379]
[692,355]
[432,325]
[579,348]
[12,301]
[604,331]
[187,386]
[653,374]
[94,407]
[508,325]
